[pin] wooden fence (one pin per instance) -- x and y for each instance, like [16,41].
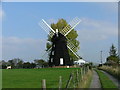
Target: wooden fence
[75,78]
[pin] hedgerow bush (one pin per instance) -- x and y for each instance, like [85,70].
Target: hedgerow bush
[113,70]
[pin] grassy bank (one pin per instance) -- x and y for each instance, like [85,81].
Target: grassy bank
[113,70]
[31,78]
[86,81]
[105,81]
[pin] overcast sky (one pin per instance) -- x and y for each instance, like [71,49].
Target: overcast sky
[24,38]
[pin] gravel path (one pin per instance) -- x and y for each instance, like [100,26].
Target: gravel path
[114,80]
[95,83]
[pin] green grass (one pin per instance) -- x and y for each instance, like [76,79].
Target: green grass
[105,81]
[31,78]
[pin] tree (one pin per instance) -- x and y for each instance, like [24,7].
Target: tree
[3,64]
[33,65]
[113,51]
[113,58]
[41,62]
[15,63]
[26,65]
[11,63]
[20,64]
[71,36]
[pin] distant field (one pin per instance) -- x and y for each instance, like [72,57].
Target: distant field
[31,78]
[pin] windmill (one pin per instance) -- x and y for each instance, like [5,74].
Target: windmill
[60,43]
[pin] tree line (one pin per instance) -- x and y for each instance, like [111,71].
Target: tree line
[18,63]
[113,58]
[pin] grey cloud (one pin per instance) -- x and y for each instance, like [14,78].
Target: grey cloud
[24,48]
[92,30]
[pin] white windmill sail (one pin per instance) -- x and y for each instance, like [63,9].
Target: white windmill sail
[70,26]
[44,55]
[71,45]
[65,32]
[73,52]
[46,27]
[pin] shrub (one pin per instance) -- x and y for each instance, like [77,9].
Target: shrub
[113,70]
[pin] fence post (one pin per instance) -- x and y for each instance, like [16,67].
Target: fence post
[43,84]
[68,83]
[88,68]
[81,73]
[84,70]
[73,80]
[77,77]
[77,74]
[60,82]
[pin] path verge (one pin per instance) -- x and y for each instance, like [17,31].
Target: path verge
[105,81]
[113,79]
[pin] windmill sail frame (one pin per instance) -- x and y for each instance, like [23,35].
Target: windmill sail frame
[65,32]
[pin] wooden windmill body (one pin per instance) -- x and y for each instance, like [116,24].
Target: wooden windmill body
[59,53]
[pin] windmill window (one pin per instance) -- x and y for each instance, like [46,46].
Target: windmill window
[61,61]
[52,52]
[51,59]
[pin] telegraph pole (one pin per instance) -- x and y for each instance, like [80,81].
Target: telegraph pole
[101,56]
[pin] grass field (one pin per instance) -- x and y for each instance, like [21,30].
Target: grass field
[31,78]
[105,81]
